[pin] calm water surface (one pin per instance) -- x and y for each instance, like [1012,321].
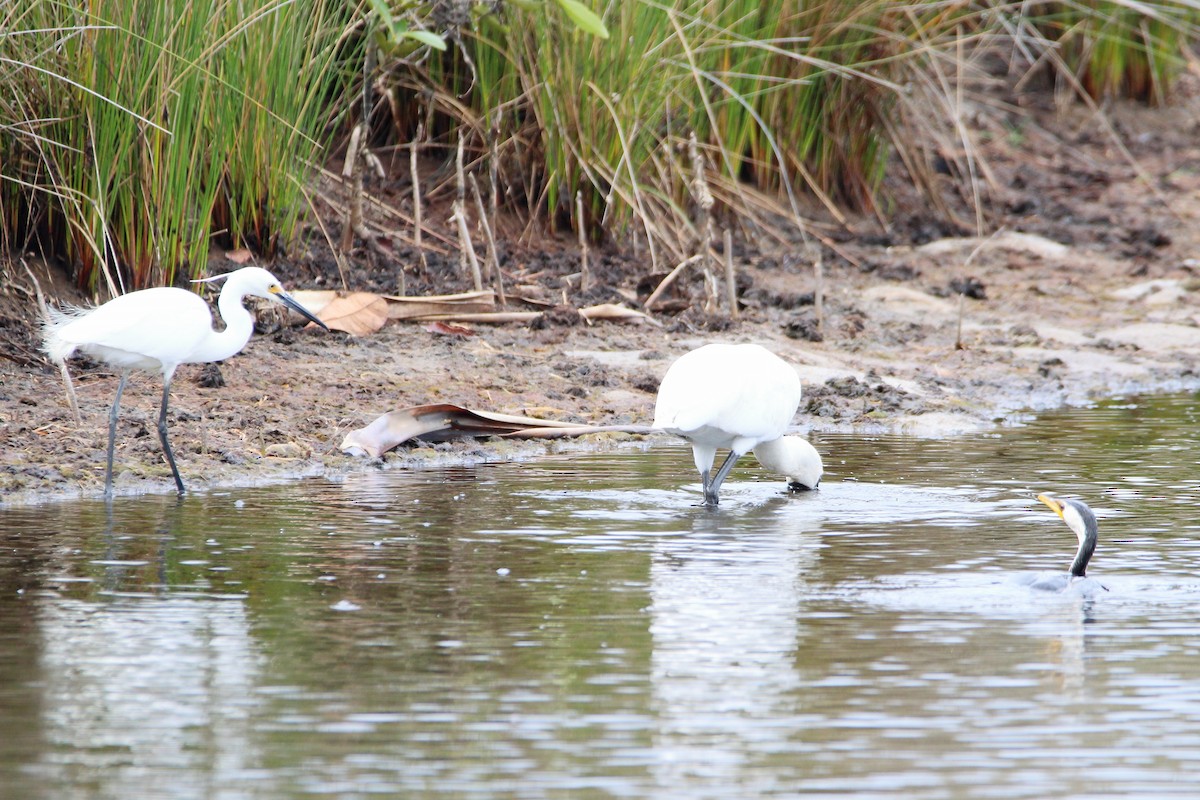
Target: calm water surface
[578,628]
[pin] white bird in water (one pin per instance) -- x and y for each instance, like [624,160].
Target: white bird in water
[1082,522]
[741,397]
[159,329]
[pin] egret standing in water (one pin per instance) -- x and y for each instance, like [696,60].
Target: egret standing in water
[1082,522]
[741,397]
[159,329]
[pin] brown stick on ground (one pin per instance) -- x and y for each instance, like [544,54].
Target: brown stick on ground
[466,253]
[704,204]
[671,276]
[584,276]
[730,276]
[468,249]
[358,157]
[493,255]
[352,171]
[416,194]
[819,293]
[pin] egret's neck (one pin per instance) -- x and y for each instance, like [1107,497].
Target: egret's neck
[774,455]
[791,456]
[238,327]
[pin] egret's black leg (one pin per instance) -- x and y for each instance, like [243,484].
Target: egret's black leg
[704,483]
[710,492]
[162,434]
[112,434]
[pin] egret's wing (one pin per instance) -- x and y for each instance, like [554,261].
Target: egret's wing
[746,391]
[161,324]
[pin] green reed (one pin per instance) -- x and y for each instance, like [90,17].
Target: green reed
[154,124]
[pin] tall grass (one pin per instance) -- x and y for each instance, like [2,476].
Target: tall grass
[148,126]
[133,131]
[1122,48]
[787,99]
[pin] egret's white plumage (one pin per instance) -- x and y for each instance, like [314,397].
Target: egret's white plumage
[1082,522]
[741,397]
[157,330]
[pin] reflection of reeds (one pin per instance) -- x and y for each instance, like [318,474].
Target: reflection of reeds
[142,127]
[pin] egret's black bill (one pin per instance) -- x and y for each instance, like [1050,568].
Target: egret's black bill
[286,299]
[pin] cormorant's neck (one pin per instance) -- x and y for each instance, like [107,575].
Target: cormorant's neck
[1086,548]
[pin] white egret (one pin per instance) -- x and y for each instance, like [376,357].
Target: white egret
[741,397]
[159,329]
[1082,522]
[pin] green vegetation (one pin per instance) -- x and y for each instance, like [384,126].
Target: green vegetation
[135,131]
[1122,49]
[778,100]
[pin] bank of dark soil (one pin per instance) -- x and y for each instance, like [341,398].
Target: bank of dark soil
[1087,291]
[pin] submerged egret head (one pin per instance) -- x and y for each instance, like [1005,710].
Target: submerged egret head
[794,458]
[741,397]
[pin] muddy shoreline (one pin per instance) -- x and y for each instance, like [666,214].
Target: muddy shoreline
[1088,291]
[290,398]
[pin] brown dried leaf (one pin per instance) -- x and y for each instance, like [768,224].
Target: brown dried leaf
[239,256]
[358,313]
[443,421]
[314,300]
[417,307]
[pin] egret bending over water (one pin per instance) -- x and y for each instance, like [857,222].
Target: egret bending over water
[159,329]
[1082,521]
[741,397]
